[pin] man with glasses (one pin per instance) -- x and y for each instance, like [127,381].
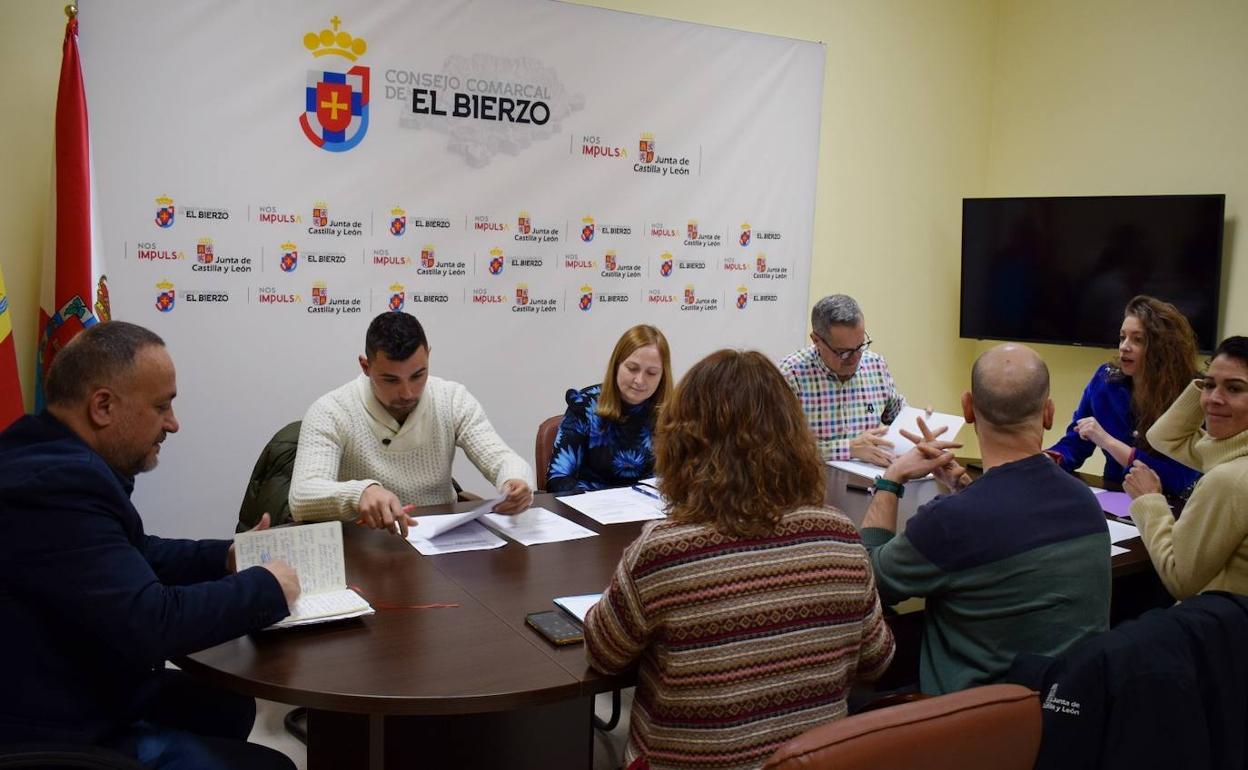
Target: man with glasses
[845,389]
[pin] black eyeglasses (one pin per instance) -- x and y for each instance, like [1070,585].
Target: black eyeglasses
[843,353]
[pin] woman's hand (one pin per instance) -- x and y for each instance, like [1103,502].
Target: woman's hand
[1141,480]
[1090,430]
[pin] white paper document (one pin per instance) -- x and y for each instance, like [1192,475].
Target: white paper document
[536,525]
[466,537]
[1119,531]
[909,420]
[865,470]
[429,527]
[315,551]
[577,606]
[615,506]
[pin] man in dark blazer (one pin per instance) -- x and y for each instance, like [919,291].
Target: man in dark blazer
[91,606]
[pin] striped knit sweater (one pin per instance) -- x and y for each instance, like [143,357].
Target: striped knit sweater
[743,643]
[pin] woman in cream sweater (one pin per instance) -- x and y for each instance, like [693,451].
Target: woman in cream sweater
[1207,547]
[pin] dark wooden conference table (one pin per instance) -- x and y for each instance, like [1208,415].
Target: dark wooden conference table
[467,685]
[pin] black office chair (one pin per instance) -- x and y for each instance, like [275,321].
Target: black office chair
[63,756]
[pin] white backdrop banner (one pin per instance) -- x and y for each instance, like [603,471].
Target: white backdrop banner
[527,178]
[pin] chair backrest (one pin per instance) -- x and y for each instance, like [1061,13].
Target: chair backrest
[268,489]
[545,447]
[996,726]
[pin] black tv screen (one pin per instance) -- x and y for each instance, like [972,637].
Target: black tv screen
[1061,270]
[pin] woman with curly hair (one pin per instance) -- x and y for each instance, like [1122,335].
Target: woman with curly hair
[1155,362]
[752,607]
[605,437]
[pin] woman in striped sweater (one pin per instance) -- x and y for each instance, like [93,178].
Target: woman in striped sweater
[752,608]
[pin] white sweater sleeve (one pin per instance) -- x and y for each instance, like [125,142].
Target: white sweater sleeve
[483,446]
[316,494]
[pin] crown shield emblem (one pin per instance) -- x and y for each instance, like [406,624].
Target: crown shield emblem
[691,230]
[743,297]
[166,296]
[745,235]
[587,298]
[689,297]
[320,215]
[522,295]
[609,259]
[165,211]
[496,261]
[761,263]
[320,294]
[398,221]
[665,266]
[426,257]
[335,116]
[397,297]
[290,258]
[203,251]
[587,229]
[524,223]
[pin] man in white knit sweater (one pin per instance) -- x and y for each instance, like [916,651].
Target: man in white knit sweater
[383,444]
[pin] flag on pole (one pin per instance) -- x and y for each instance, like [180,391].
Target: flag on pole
[10,385]
[74,294]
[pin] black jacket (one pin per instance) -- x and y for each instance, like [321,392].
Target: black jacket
[1169,690]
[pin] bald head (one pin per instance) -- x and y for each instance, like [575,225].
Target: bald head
[1010,387]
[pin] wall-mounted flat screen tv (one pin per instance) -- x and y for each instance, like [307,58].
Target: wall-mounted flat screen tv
[1061,270]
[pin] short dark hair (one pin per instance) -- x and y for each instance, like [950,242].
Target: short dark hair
[1233,347]
[1008,399]
[95,358]
[396,334]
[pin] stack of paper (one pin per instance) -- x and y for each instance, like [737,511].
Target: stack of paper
[615,506]
[536,525]
[454,532]
[315,551]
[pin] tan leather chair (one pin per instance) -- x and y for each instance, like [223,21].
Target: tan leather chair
[545,447]
[995,727]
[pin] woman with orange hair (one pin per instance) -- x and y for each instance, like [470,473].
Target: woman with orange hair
[752,608]
[1155,362]
[605,437]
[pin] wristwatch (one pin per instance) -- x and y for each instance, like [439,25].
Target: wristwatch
[884,485]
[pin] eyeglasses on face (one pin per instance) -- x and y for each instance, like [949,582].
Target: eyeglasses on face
[844,353]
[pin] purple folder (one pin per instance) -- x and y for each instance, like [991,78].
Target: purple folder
[1115,504]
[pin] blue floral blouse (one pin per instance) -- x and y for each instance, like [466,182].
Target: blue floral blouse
[592,452]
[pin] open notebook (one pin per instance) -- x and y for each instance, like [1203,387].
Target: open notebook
[315,551]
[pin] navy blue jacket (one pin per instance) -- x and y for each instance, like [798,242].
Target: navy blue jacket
[90,606]
[1167,690]
[1108,398]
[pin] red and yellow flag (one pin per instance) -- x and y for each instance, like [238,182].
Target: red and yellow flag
[10,385]
[74,292]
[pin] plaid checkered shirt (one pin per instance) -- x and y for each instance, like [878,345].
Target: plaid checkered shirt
[840,411]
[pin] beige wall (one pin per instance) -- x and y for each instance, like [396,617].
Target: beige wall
[1124,97]
[31,60]
[925,101]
